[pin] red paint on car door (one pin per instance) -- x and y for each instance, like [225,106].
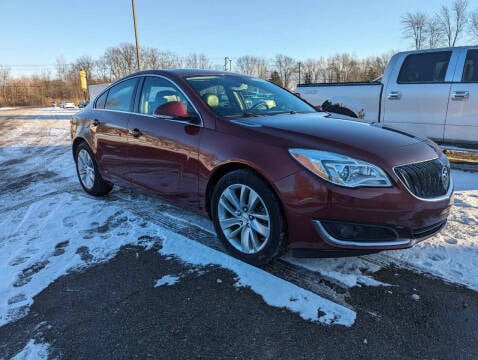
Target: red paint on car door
[163,156]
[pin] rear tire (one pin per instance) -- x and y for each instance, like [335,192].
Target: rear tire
[247,217]
[88,173]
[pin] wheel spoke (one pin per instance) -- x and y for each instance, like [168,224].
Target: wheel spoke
[232,235]
[227,223]
[242,198]
[251,202]
[232,198]
[226,206]
[245,243]
[260,216]
[254,241]
[261,229]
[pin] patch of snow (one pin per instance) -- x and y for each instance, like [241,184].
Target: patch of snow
[348,271]
[33,351]
[167,280]
[275,291]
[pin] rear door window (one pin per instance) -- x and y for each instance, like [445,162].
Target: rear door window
[120,96]
[424,68]
[100,103]
[470,70]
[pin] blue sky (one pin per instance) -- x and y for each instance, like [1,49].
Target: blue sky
[34,33]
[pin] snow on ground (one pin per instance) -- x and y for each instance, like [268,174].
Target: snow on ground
[33,351]
[349,272]
[274,291]
[167,280]
[51,227]
[453,253]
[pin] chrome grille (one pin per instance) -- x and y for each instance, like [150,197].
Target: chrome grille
[428,179]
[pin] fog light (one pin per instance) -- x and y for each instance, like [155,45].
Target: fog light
[359,232]
[348,231]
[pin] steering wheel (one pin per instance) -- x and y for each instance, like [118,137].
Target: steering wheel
[261,105]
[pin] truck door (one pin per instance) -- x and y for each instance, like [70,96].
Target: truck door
[462,118]
[415,99]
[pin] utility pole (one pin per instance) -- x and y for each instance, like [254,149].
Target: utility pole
[136,37]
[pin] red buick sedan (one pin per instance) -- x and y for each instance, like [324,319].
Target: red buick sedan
[271,172]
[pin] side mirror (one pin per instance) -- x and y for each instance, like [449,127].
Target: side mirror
[172,108]
[176,110]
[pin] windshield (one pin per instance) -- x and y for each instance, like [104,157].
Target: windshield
[242,96]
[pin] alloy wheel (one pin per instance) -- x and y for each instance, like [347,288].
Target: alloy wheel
[86,169]
[244,218]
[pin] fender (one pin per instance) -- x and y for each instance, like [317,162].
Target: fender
[348,107]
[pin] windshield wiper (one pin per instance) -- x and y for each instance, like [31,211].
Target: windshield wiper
[245,115]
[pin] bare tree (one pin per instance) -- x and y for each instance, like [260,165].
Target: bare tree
[434,32]
[474,24]
[4,80]
[152,58]
[286,67]
[85,63]
[453,22]
[414,28]
[102,70]
[252,65]
[61,67]
[198,61]
[121,59]
[314,70]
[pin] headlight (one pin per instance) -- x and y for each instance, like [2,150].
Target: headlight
[340,169]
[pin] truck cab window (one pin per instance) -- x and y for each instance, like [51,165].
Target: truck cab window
[424,68]
[470,70]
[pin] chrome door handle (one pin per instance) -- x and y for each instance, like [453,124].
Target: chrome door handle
[460,95]
[394,95]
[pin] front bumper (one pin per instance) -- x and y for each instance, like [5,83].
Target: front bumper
[310,202]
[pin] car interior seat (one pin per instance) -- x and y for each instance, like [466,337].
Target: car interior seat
[163,97]
[211,99]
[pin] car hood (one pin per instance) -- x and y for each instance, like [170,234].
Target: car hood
[353,138]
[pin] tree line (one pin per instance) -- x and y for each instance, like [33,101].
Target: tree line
[120,61]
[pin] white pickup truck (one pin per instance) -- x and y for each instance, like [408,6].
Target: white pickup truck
[430,93]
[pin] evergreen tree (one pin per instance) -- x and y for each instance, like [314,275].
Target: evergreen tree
[275,78]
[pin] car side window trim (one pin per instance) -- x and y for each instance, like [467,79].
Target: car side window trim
[107,90]
[137,96]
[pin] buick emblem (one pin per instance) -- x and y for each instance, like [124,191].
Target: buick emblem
[445,177]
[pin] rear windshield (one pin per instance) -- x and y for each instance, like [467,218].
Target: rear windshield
[235,96]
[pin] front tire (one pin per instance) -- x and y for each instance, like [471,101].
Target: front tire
[88,173]
[248,218]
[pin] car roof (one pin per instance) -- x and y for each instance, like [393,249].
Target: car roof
[185,72]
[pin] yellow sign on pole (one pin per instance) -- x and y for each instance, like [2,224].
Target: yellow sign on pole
[84,86]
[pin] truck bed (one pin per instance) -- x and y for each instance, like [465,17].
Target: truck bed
[360,100]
